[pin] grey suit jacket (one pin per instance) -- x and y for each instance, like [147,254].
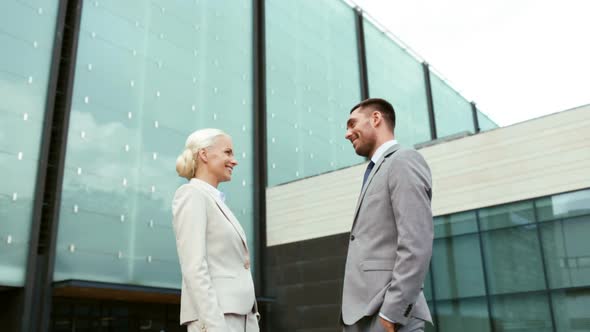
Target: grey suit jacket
[391,241]
[214,259]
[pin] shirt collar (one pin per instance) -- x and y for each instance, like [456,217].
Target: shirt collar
[381,150]
[214,191]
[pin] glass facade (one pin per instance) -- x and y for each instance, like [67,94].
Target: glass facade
[26,38]
[397,76]
[312,82]
[485,123]
[147,75]
[520,266]
[452,112]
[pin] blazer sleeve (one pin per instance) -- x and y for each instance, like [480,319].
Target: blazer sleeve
[411,190]
[190,229]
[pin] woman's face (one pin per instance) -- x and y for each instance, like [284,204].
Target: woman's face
[220,158]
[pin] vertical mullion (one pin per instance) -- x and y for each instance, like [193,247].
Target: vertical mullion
[260,147]
[485,272]
[362,53]
[429,100]
[541,248]
[475,119]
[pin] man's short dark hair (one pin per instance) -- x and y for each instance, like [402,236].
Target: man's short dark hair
[380,105]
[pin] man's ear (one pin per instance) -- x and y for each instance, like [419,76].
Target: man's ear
[376,118]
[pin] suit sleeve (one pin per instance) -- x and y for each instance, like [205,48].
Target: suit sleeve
[190,228]
[409,182]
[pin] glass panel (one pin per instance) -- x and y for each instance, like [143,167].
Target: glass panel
[521,312]
[507,215]
[485,123]
[571,310]
[312,82]
[456,264]
[513,260]
[463,315]
[564,205]
[26,41]
[567,252]
[455,224]
[398,77]
[147,75]
[452,112]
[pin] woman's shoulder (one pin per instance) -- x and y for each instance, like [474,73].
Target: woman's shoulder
[190,189]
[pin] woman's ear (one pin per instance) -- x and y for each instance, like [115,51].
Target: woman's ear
[202,155]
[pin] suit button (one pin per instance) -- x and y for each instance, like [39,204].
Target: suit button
[352,238]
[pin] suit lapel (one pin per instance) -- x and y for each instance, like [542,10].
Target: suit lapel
[374,171]
[228,214]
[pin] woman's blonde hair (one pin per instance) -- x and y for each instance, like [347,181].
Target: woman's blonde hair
[186,164]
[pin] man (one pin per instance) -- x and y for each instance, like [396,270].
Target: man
[391,238]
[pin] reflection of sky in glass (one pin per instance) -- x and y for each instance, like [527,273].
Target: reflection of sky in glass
[26,42]
[148,74]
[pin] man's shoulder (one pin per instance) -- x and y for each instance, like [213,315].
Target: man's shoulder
[406,153]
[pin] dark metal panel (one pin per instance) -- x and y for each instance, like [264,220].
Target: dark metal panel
[362,53]
[37,297]
[475,119]
[429,100]
[485,274]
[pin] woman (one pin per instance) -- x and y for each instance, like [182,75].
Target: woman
[217,287]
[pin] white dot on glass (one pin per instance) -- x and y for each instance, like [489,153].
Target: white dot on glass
[40,11]
[129,115]
[155,155]
[243,101]
[137,24]
[214,116]
[194,108]
[297,174]
[72,248]
[196,27]
[26,116]
[156,124]
[296,126]
[79,171]
[20,156]
[83,134]
[151,224]
[35,44]
[134,52]
[294,102]
[89,67]
[243,155]
[272,91]
[243,128]
[195,52]
[157,93]
[127,147]
[311,155]
[120,255]
[9,239]
[93,34]
[274,165]
[161,36]
[216,37]
[95,3]
[244,77]
[194,79]
[215,90]
[272,115]
[163,10]
[309,110]
[132,83]
[297,149]
[153,189]
[122,218]
[124,182]
[86,100]
[310,132]
[149,259]
[160,63]
[273,140]
[75,208]
[15,196]
[332,164]
[30,80]
[243,183]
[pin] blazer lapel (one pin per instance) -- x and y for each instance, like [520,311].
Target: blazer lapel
[228,215]
[375,169]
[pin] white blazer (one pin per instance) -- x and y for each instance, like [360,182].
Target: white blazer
[214,258]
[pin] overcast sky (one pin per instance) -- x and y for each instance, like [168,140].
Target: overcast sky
[517,59]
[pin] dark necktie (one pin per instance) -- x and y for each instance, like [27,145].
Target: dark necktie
[367,172]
